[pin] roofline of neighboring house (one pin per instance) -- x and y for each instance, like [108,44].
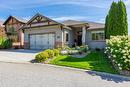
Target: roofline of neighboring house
[14,18]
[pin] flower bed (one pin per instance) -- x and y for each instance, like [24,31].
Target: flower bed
[47,55]
[76,50]
[118,50]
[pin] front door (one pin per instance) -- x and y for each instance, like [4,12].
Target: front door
[79,38]
[79,42]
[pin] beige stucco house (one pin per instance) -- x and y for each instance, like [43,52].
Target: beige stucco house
[41,32]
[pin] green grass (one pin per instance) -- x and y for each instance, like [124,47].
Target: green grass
[94,61]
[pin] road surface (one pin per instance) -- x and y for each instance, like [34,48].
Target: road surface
[36,75]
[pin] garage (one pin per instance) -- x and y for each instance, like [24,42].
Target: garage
[42,41]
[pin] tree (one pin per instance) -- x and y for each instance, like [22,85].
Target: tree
[112,21]
[116,20]
[122,18]
[107,35]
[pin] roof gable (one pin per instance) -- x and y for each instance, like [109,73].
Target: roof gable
[38,18]
[16,18]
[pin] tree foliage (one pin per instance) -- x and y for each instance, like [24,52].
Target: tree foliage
[116,20]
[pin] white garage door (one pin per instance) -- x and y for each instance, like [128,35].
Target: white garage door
[42,41]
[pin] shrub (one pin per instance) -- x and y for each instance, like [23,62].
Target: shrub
[5,43]
[38,58]
[84,48]
[42,56]
[50,53]
[67,48]
[56,52]
[118,49]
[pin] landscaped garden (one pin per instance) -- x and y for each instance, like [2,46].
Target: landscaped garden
[93,61]
[69,57]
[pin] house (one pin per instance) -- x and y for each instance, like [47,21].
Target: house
[2,30]
[41,32]
[12,28]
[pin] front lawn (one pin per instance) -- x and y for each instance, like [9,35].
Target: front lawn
[94,61]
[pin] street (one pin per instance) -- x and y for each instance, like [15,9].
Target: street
[36,75]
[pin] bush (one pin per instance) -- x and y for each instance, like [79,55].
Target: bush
[118,49]
[56,52]
[84,48]
[42,56]
[50,53]
[66,48]
[5,43]
[38,58]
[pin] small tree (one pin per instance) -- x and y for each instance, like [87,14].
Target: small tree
[112,21]
[107,35]
[116,21]
[122,18]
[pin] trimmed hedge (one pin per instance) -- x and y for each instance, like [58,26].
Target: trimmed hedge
[47,54]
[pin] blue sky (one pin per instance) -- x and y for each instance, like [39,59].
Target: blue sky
[90,10]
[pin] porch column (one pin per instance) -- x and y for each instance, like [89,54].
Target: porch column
[83,35]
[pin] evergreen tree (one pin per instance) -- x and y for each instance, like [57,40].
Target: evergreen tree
[107,35]
[116,21]
[122,18]
[112,21]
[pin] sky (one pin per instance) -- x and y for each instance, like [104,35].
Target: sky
[59,10]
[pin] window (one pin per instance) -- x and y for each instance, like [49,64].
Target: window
[98,35]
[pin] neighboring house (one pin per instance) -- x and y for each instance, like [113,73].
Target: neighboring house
[2,30]
[12,27]
[43,33]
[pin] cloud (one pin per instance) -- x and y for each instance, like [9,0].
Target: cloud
[62,18]
[20,4]
[101,20]
[127,2]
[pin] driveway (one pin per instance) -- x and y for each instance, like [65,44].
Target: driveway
[35,75]
[20,55]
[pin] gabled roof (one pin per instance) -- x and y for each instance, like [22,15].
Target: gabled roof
[38,14]
[92,25]
[17,18]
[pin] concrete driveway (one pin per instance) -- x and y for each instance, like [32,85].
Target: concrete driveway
[20,55]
